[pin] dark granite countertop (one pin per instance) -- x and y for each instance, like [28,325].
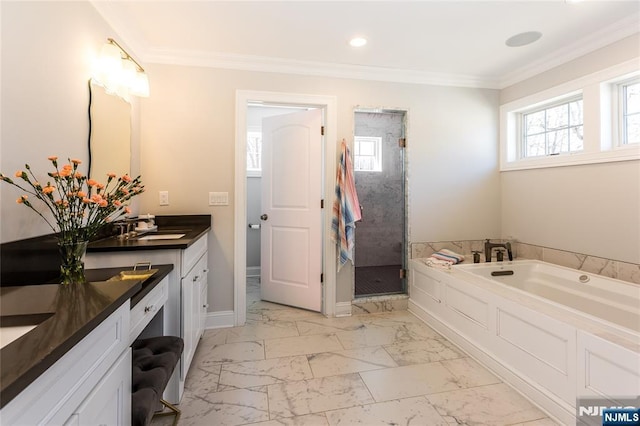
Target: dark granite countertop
[65,314]
[193,226]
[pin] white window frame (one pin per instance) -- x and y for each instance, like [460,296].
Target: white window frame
[617,92]
[253,172]
[600,144]
[521,133]
[377,152]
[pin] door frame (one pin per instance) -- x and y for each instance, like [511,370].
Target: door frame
[406,229]
[329,268]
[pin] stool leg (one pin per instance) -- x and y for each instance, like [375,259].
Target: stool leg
[175,411]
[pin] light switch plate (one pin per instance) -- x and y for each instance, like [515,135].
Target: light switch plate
[164,198]
[218,198]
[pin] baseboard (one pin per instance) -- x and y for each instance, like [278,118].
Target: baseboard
[343,309]
[220,319]
[253,271]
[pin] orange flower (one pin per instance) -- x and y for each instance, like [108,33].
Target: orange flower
[96,198]
[76,161]
[92,182]
[22,199]
[82,194]
[111,175]
[65,172]
[103,203]
[100,186]
[127,210]
[67,167]
[126,178]
[19,173]
[52,158]
[78,175]
[48,189]
[86,200]
[117,203]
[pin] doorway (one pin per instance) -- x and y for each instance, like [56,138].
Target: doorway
[241,231]
[288,148]
[379,170]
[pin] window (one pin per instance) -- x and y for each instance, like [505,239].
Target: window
[254,151]
[630,112]
[368,154]
[553,129]
[592,119]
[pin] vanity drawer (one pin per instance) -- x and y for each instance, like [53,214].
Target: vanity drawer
[192,254]
[146,309]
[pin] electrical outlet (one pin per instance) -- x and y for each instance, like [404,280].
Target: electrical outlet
[218,198]
[164,198]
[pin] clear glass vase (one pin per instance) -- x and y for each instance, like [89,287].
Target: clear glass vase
[72,261]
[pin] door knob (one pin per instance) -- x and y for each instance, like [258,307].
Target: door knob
[264,217]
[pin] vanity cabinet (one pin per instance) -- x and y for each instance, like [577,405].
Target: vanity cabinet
[90,384]
[184,311]
[194,294]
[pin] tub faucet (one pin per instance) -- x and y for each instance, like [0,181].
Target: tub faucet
[489,246]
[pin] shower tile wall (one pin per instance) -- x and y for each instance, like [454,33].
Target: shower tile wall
[380,233]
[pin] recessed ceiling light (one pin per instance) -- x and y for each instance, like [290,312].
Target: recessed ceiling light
[357,42]
[523,39]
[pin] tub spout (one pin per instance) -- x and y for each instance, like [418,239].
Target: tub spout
[489,246]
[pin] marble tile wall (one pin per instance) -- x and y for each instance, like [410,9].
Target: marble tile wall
[611,268]
[379,235]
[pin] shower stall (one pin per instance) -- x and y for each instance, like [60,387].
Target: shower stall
[379,169]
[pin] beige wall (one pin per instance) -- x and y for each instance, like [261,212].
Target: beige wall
[188,127]
[186,132]
[590,209]
[47,54]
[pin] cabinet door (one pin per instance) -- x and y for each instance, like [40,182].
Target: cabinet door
[110,401]
[187,291]
[204,305]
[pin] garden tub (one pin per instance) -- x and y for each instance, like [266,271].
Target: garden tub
[555,334]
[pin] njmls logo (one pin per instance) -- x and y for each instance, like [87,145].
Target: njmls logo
[599,410]
[603,412]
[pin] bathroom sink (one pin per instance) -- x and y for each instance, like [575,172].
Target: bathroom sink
[161,237]
[14,326]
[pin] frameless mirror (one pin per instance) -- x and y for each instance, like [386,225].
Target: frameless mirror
[110,137]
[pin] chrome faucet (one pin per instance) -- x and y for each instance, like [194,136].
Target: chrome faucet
[489,246]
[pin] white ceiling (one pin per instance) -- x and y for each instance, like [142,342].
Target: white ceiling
[437,42]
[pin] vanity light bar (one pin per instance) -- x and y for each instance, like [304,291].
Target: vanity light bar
[126,54]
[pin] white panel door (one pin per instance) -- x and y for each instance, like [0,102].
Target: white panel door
[291,243]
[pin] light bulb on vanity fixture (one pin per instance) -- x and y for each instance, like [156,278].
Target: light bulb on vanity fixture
[119,73]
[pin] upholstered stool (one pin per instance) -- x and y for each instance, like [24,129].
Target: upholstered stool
[153,362]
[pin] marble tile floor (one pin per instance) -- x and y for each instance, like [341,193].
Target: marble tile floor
[289,366]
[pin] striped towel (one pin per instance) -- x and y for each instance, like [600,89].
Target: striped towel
[346,207]
[448,256]
[436,263]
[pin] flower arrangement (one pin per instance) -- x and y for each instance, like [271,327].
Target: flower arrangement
[80,207]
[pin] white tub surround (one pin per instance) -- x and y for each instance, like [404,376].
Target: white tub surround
[611,268]
[537,328]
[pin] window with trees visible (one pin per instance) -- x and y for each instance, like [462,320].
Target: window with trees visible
[367,154]
[553,129]
[629,94]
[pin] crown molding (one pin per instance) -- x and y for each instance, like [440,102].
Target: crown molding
[596,40]
[137,44]
[312,68]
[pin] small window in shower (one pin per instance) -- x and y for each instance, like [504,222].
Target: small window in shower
[367,154]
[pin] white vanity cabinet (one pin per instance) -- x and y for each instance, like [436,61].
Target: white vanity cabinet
[183,312]
[90,384]
[194,293]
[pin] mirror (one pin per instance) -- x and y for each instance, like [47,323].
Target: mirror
[110,134]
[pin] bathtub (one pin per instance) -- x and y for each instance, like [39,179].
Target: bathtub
[606,299]
[553,333]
